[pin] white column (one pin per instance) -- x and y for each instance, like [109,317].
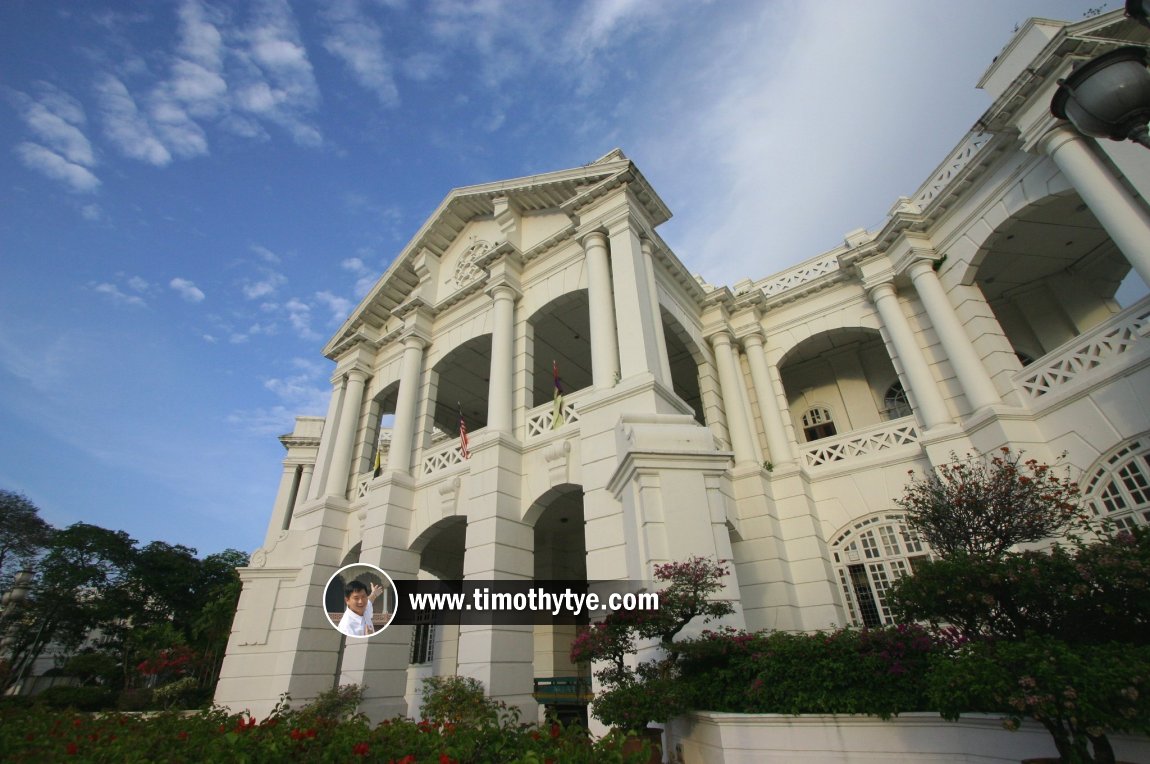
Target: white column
[929,405]
[738,420]
[327,438]
[638,349]
[601,305]
[345,434]
[501,389]
[976,384]
[304,483]
[656,313]
[1124,218]
[283,506]
[778,443]
[403,430]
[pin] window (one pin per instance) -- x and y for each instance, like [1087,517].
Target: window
[868,557]
[895,404]
[818,423]
[1119,491]
[423,638]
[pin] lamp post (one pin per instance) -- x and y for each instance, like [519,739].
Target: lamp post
[1108,97]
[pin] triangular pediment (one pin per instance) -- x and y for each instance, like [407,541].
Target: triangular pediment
[564,193]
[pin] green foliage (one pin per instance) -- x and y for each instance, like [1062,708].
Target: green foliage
[981,507]
[30,735]
[1093,593]
[92,667]
[78,698]
[880,672]
[181,693]
[23,535]
[459,700]
[1079,693]
[335,705]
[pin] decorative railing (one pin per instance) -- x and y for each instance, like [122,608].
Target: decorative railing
[954,163]
[800,274]
[442,458]
[888,435]
[541,419]
[1117,336]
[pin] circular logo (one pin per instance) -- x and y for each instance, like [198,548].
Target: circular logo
[360,600]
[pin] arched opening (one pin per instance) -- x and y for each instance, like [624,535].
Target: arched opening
[381,418]
[1050,272]
[684,359]
[561,338]
[460,385]
[434,648]
[868,556]
[560,555]
[840,380]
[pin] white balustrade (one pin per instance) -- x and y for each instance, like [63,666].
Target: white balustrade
[953,164]
[442,458]
[1088,351]
[541,419]
[800,274]
[851,445]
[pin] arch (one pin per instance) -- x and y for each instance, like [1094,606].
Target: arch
[1048,272]
[560,333]
[460,382]
[684,355]
[845,372]
[1117,488]
[441,548]
[868,555]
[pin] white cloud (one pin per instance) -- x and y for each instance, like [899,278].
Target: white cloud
[266,254]
[187,289]
[49,163]
[299,315]
[125,127]
[56,119]
[365,278]
[113,292]
[356,39]
[138,284]
[339,306]
[271,281]
[92,212]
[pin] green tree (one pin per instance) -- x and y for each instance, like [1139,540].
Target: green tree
[23,535]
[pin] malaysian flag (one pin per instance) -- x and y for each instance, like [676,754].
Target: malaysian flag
[557,420]
[464,447]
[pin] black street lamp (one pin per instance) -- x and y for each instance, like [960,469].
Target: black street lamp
[1108,97]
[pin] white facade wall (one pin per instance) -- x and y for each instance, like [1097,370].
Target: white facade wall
[640,479]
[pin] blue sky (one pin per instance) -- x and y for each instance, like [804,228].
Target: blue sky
[194,194]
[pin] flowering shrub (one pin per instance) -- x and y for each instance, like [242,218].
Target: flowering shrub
[27,734]
[982,507]
[634,696]
[457,699]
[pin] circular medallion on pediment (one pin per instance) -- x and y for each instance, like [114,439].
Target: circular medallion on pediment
[259,559]
[467,269]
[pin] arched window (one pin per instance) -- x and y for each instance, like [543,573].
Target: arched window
[1119,491]
[818,423]
[870,555]
[895,404]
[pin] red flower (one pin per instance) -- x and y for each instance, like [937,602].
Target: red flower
[555,731]
[77,722]
[310,733]
[361,749]
[72,749]
[445,759]
[296,734]
[183,735]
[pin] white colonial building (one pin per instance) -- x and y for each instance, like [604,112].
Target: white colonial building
[771,423]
